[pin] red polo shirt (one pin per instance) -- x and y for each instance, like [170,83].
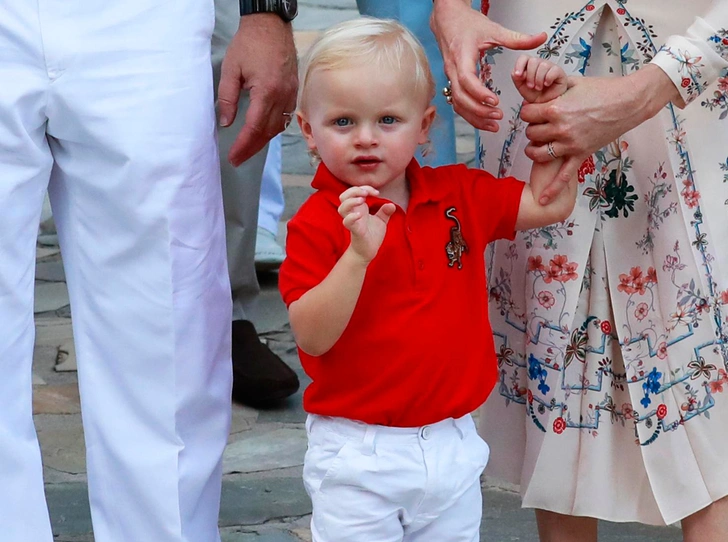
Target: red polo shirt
[419,347]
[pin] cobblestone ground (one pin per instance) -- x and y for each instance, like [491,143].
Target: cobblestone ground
[263,498]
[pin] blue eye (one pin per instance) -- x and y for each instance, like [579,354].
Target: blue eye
[388,120]
[342,122]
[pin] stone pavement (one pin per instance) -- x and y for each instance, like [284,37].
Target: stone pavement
[263,496]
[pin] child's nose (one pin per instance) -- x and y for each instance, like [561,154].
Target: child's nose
[365,136]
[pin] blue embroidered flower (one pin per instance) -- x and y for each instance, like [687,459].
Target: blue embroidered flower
[537,372]
[534,367]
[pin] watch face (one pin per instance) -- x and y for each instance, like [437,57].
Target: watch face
[289,8]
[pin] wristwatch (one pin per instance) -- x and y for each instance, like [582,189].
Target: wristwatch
[285,9]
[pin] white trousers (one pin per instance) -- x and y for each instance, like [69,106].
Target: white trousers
[373,483]
[109,105]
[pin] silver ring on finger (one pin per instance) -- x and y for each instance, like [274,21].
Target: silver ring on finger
[289,118]
[550,150]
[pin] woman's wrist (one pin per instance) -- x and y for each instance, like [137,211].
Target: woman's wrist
[653,90]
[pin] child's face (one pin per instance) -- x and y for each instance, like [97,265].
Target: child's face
[365,122]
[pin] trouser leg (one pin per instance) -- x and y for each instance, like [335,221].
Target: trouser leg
[271,190]
[241,185]
[137,203]
[25,164]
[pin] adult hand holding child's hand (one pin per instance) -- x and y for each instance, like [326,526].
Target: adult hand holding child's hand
[367,231]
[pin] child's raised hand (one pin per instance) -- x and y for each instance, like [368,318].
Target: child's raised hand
[367,231]
[538,80]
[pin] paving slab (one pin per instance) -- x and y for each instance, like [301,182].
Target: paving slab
[56,399]
[52,331]
[61,443]
[50,271]
[50,296]
[43,253]
[266,448]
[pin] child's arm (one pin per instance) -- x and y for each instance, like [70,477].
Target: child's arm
[539,81]
[320,316]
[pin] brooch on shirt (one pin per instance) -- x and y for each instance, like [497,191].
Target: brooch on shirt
[457,245]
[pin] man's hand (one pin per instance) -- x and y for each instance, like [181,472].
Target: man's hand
[261,59]
[463,34]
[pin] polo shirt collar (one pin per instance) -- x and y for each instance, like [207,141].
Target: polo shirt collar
[423,187]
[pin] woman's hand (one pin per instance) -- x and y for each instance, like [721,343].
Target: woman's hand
[462,34]
[592,113]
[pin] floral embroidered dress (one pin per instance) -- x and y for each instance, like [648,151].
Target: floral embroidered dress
[611,327]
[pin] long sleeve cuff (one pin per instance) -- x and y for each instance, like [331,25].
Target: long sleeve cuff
[693,62]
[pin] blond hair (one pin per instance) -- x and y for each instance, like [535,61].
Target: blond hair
[383,42]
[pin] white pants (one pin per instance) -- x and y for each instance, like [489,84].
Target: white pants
[272,203]
[371,483]
[109,105]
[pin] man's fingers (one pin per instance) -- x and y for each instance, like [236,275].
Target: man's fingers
[569,169]
[258,129]
[228,95]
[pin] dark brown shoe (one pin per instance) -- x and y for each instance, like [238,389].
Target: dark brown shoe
[260,377]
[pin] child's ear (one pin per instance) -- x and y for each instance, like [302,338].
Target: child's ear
[306,130]
[427,120]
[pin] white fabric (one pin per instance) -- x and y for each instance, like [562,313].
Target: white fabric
[392,484]
[113,102]
[271,189]
[610,328]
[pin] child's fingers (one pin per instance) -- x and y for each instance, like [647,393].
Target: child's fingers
[541,71]
[351,219]
[531,69]
[358,191]
[386,211]
[348,205]
[520,67]
[553,75]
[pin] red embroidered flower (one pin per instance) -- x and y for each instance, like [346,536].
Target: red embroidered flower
[546,299]
[725,41]
[685,82]
[590,7]
[724,297]
[484,7]
[587,168]
[559,425]
[641,311]
[661,411]
[606,327]
[621,11]
[530,396]
[692,198]
[535,263]
[662,350]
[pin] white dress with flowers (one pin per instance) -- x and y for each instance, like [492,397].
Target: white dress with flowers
[611,327]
